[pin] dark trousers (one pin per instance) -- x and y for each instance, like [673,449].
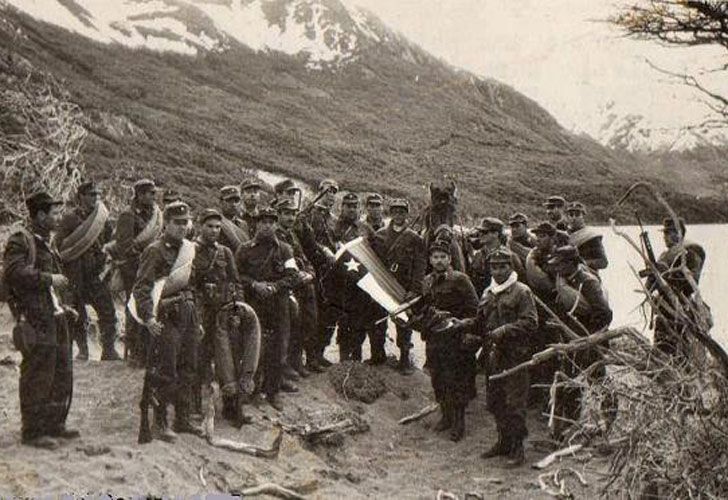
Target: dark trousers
[176,353]
[136,336]
[304,326]
[507,400]
[327,318]
[98,296]
[275,321]
[216,347]
[350,337]
[404,339]
[46,386]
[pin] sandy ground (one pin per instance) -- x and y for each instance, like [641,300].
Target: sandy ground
[388,461]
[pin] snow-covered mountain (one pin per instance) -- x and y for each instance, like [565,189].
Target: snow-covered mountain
[326,32]
[635,133]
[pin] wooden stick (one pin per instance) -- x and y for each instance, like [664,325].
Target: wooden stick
[556,349]
[273,489]
[549,459]
[420,414]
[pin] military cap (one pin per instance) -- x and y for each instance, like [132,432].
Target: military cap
[177,210]
[284,186]
[350,199]
[546,228]
[229,192]
[40,200]
[500,255]
[88,187]
[518,218]
[668,224]
[576,206]
[555,201]
[444,231]
[374,199]
[209,213]
[170,195]
[268,213]
[440,245]
[144,185]
[329,184]
[250,183]
[399,203]
[285,204]
[566,253]
[491,224]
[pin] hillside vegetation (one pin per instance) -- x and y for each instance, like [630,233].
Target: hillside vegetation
[385,122]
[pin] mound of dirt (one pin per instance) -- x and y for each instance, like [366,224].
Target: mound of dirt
[357,381]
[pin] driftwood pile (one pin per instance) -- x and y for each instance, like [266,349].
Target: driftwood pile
[41,136]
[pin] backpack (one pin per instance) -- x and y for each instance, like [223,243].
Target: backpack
[6,294]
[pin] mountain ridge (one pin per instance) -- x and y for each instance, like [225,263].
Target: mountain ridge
[391,120]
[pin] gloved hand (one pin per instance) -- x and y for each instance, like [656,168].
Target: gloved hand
[154,327]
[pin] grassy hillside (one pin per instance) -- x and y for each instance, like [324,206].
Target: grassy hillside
[383,123]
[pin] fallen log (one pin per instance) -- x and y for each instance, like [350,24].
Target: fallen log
[272,489]
[549,459]
[420,414]
[553,350]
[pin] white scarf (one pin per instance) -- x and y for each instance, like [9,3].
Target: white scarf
[496,289]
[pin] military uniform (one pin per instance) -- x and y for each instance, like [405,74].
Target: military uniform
[562,223]
[174,353]
[522,244]
[234,231]
[41,331]
[377,332]
[83,273]
[130,224]
[359,312]
[451,365]
[272,263]
[582,304]
[222,313]
[403,253]
[250,215]
[506,320]
[480,263]
[586,240]
[670,335]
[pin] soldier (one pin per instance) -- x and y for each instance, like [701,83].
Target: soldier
[234,231]
[582,304]
[322,223]
[82,234]
[670,333]
[585,239]
[171,319]
[521,241]
[269,272]
[555,212]
[33,275]
[403,252]
[492,237]
[304,314]
[136,228]
[250,190]
[170,196]
[359,312]
[452,366]
[505,322]
[222,313]
[375,211]
[446,234]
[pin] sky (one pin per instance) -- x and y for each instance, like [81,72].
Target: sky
[561,53]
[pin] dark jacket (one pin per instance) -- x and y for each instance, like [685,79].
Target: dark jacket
[271,262]
[594,311]
[322,223]
[131,222]
[404,255]
[30,283]
[214,275]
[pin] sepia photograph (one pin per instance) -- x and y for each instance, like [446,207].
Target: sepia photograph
[343,249]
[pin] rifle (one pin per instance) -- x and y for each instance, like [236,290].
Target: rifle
[646,243]
[310,206]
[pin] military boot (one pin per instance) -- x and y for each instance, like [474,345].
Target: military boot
[241,418]
[499,449]
[405,363]
[108,352]
[516,455]
[446,420]
[82,350]
[160,428]
[182,422]
[457,431]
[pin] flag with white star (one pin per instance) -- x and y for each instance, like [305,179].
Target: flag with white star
[357,264]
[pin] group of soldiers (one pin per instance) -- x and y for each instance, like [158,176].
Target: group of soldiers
[239,294]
